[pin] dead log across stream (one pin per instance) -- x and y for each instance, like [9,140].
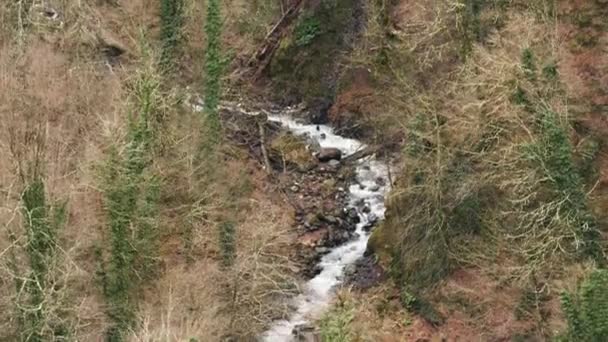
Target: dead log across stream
[368,151]
[261,59]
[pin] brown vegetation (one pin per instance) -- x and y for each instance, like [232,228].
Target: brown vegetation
[68,79]
[462,230]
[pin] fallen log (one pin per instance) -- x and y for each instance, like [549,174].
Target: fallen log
[261,59]
[267,165]
[368,151]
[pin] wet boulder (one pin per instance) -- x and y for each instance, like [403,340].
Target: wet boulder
[329,153]
[334,164]
[305,333]
[319,109]
[372,219]
[351,215]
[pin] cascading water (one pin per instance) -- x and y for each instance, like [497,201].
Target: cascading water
[317,292]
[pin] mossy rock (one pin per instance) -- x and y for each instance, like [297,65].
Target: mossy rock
[292,149]
[379,243]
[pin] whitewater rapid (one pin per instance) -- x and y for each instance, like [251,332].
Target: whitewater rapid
[371,187]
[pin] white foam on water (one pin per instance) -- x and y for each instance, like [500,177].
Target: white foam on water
[318,292]
[323,134]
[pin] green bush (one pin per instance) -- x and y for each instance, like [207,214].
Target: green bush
[307,30]
[227,242]
[552,156]
[171,21]
[211,127]
[42,223]
[131,191]
[528,62]
[335,325]
[587,310]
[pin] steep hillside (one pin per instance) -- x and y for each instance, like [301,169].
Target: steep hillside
[97,141]
[497,109]
[149,192]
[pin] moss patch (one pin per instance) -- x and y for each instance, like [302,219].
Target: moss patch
[291,151]
[305,62]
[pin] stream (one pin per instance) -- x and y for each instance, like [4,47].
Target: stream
[318,292]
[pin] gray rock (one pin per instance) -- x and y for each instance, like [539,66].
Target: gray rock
[351,215]
[372,219]
[330,219]
[329,153]
[334,163]
[375,188]
[305,333]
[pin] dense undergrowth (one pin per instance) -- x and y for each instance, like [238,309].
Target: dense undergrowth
[306,64]
[162,230]
[491,180]
[151,242]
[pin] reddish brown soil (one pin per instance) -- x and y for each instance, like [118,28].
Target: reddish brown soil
[354,101]
[584,70]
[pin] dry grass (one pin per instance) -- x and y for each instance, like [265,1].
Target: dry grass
[466,138]
[56,79]
[45,92]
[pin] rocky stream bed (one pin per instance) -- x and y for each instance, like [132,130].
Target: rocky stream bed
[337,187]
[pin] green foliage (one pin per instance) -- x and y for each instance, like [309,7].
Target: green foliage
[528,62]
[519,97]
[415,144]
[307,30]
[171,22]
[465,217]
[449,208]
[588,151]
[305,59]
[213,57]
[131,192]
[550,72]
[552,154]
[587,310]
[473,26]
[420,306]
[335,325]
[211,127]
[42,223]
[227,242]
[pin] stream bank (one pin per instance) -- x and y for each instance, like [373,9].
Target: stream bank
[337,206]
